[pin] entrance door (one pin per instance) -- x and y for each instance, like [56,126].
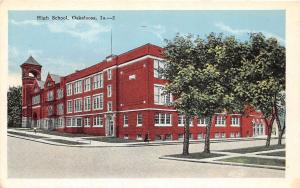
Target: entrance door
[109,125]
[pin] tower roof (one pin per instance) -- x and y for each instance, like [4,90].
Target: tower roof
[31,61]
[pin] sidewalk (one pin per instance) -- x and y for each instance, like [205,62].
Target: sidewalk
[86,141]
[227,155]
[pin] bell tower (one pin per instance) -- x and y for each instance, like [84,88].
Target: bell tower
[31,70]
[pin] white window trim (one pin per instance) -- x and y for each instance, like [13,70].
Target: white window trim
[109,91]
[89,121]
[160,95]
[69,112]
[182,125]
[125,125]
[77,99]
[98,125]
[137,120]
[89,109]
[109,74]
[84,87]
[79,89]
[109,102]
[163,125]
[100,107]
[71,89]
[220,125]
[235,125]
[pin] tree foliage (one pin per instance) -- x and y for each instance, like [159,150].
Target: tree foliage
[14,106]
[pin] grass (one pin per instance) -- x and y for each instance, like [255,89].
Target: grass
[276,153]
[196,155]
[61,141]
[255,160]
[255,149]
[111,139]
[26,135]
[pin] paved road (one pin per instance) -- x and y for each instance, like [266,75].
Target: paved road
[28,159]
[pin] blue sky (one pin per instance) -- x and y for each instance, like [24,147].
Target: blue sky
[61,47]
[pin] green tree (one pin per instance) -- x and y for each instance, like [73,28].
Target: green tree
[261,77]
[180,71]
[14,106]
[200,73]
[280,116]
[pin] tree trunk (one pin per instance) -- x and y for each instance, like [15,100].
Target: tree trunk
[280,134]
[207,136]
[186,138]
[269,125]
[280,129]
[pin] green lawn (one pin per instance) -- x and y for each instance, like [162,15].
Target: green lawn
[26,135]
[61,141]
[276,153]
[255,149]
[111,139]
[255,160]
[196,155]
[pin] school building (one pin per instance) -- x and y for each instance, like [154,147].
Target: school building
[121,97]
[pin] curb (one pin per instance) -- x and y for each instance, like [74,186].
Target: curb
[223,163]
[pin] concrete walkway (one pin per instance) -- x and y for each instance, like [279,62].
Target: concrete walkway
[226,155]
[86,141]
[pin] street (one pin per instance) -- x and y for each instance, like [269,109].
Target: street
[29,159]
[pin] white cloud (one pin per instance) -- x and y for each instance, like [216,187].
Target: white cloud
[228,29]
[157,30]
[87,31]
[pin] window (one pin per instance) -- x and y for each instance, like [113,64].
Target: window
[202,121]
[98,121]
[50,110]
[69,106]
[139,137]
[109,74]
[125,120]
[220,120]
[231,135]
[98,81]
[69,122]
[69,89]
[139,120]
[161,119]
[78,87]
[60,122]
[109,91]
[60,93]
[50,95]
[235,121]
[109,106]
[158,68]
[223,135]
[181,120]
[36,100]
[126,136]
[87,103]
[159,98]
[78,122]
[200,136]
[78,105]
[98,102]
[87,84]
[86,122]
[217,135]
[180,136]
[60,109]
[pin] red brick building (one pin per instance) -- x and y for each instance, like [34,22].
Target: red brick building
[120,96]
